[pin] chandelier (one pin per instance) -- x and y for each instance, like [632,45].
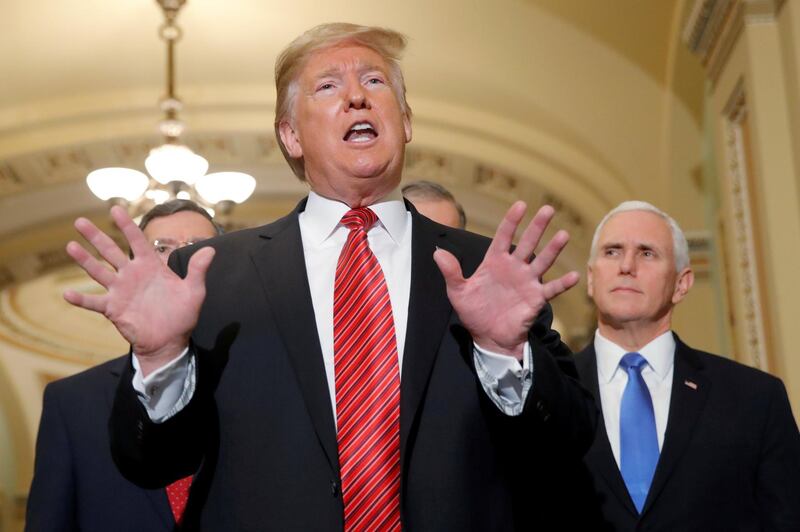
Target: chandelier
[175,170]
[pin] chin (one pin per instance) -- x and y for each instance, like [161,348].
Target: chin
[375,170]
[623,314]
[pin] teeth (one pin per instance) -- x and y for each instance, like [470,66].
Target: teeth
[361,132]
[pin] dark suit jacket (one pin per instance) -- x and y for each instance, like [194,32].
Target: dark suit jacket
[268,452]
[730,458]
[76,485]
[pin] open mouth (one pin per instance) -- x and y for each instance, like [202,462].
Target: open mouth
[360,132]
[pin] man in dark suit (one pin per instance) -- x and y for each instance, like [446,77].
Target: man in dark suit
[337,370]
[76,485]
[688,440]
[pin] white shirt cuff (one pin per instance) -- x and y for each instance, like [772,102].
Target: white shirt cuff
[504,379]
[167,390]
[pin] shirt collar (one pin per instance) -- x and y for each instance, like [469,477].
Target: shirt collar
[322,215]
[659,353]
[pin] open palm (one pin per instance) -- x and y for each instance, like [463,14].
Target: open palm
[152,307]
[500,301]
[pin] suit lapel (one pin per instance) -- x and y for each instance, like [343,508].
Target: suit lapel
[690,388]
[600,458]
[281,266]
[156,497]
[428,314]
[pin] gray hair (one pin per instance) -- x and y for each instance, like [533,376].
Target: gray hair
[428,190]
[175,206]
[680,247]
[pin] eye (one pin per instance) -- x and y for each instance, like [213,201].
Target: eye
[162,248]
[325,86]
[374,81]
[611,252]
[648,253]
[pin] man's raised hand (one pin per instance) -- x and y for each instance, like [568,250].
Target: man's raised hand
[152,307]
[500,301]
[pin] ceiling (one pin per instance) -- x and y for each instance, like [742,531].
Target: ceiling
[68,48]
[573,102]
[570,83]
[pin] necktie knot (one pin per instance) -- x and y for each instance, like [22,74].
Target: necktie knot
[633,361]
[361,218]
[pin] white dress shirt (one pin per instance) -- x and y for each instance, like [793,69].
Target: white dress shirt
[507,382]
[612,379]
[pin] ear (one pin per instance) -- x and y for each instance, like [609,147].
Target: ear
[589,281]
[682,285]
[290,140]
[407,127]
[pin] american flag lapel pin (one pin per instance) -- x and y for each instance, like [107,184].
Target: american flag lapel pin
[690,384]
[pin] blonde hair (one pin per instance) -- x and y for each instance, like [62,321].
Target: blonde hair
[387,43]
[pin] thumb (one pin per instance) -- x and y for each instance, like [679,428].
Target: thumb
[198,266]
[449,266]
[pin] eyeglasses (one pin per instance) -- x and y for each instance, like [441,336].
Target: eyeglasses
[166,246]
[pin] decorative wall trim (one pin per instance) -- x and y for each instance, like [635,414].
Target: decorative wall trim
[700,252]
[751,318]
[714,26]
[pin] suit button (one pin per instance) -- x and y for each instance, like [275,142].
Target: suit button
[334,488]
[543,413]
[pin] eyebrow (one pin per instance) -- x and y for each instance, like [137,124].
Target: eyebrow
[168,240]
[329,73]
[336,71]
[639,245]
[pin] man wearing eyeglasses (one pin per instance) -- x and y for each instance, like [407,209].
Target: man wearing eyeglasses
[175,224]
[76,485]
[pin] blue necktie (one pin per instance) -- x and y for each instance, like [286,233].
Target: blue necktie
[637,431]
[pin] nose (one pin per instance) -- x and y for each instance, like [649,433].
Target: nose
[628,263]
[357,98]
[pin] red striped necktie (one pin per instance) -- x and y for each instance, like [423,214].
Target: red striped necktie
[367,384]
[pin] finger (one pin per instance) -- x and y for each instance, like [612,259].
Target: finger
[135,237]
[533,233]
[545,259]
[558,286]
[103,243]
[450,268]
[92,302]
[90,265]
[504,235]
[198,267]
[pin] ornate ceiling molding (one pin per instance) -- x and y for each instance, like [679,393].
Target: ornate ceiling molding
[713,27]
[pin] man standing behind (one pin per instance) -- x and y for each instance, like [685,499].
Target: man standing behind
[689,440]
[435,202]
[76,485]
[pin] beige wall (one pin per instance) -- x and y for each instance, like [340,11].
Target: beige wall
[754,108]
